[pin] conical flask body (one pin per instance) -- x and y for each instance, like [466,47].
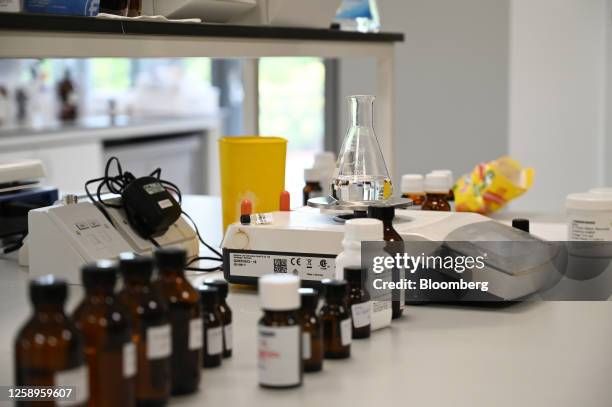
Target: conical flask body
[362,172]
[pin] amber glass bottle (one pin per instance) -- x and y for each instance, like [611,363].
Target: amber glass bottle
[118,7]
[436,202]
[437,190]
[213,327]
[386,214]
[185,314]
[135,8]
[413,188]
[106,329]
[313,188]
[336,320]
[280,332]
[226,315]
[359,302]
[151,330]
[49,350]
[312,331]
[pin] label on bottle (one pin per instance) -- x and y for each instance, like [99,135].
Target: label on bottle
[196,334]
[361,314]
[279,355]
[346,332]
[306,353]
[214,341]
[77,378]
[228,336]
[159,342]
[129,360]
[590,226]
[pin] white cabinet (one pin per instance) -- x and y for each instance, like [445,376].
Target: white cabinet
[67,167]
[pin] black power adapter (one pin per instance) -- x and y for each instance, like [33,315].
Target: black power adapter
[150,208]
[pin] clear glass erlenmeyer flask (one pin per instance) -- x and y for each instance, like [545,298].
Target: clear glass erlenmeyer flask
[362,172]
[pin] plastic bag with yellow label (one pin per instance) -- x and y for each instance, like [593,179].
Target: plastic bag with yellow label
[492,185]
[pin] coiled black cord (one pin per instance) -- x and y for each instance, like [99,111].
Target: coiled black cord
[117,183]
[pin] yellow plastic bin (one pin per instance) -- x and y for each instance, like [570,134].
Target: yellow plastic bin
[251,168]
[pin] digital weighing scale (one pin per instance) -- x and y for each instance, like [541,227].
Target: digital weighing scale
[305,242]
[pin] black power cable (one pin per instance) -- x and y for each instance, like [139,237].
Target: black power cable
[117,183]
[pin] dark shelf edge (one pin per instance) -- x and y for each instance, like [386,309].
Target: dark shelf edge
[91,25]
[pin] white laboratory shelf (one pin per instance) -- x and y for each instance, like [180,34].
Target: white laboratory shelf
[48,36]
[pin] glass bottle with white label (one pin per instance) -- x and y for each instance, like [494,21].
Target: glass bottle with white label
[336,320]
[312,330]
[212,327]
[280,332]
[394,246]
[49,350]
[107,331]
[185,314]
[151,329]
[359,302]
[226,314]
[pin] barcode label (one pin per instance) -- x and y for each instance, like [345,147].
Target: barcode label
[280,265]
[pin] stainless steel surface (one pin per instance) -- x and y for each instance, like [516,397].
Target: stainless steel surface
[553,354]
[329,202]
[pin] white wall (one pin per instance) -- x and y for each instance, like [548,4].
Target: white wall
[608,68]
[557,91]
[452,81]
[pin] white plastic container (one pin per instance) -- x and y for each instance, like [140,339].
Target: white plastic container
[10,6]
[589,216]
[366,230]
[291,13]
[605,190]
[210,11]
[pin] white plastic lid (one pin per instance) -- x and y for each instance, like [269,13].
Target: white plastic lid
[326,159]
[413,183]
[363,230]
[449,175]
[606,190]
[279,292]
[312,175]
[437,182]
[589,201]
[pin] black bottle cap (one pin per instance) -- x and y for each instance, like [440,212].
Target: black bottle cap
[521,224]
[382,212]
[171,258]
[48,290]
[209,295]
[102,273]
[335,289]
[134,267]
[309,297]
[220,285]
[355,274]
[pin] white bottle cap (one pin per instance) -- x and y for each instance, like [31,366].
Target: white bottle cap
[606,190]
[449,174]
[326,159]
[437,183]
[363,230]
[312,175]
[412,183]
[279,292]
[589,201]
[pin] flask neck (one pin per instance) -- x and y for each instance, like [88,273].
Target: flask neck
[361,111]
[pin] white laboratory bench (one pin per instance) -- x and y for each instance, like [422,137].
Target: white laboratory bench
[541,354]
[74,153]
